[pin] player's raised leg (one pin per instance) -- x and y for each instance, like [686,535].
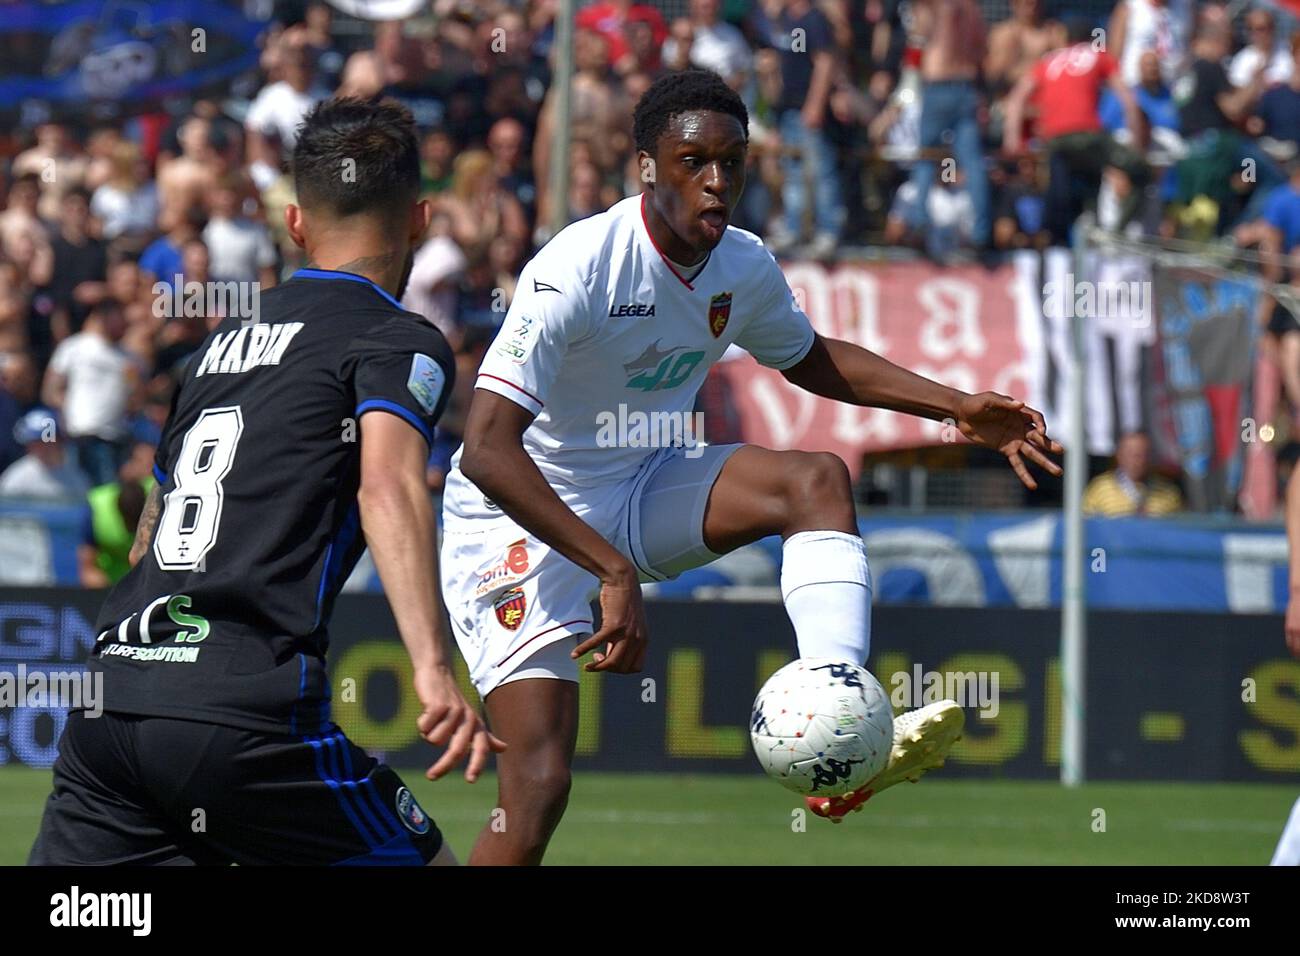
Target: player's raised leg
[825,583]
[806,498]
[540,718]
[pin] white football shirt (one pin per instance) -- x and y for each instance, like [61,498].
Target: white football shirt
[602,326]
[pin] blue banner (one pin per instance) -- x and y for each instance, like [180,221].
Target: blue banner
[1185,564]
[959,560]
[99,59]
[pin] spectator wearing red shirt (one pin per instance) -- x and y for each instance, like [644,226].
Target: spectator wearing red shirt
[610,20]
[1066,85]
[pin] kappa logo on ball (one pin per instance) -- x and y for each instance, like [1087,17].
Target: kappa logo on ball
[506,571]
[411,814]
[510,608]
[719,312]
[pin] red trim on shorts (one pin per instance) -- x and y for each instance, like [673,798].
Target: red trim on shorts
[536,636]
[505,381]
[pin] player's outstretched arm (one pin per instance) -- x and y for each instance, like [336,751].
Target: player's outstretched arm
[494,459]
[848,373]
[398,522]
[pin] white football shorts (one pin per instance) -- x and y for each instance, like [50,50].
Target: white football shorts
[517,608]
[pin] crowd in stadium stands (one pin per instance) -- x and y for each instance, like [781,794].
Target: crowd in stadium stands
[1173,119]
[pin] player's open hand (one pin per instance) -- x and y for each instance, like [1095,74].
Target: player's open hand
[448,720]
[1012,428]
[623,632]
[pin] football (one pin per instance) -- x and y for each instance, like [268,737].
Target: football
[822,727]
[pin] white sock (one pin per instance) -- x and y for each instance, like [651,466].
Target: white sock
[826,585]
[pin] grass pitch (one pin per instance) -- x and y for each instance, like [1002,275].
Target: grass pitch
[652,819]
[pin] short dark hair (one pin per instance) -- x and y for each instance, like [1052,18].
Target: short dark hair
[683,92]
[357,156]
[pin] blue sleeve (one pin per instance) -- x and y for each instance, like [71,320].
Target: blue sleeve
[1274,212]
[403,367]
[1110,111]
[149,258]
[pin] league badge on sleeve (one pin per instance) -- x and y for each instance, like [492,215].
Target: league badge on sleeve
[719,312]
[426,381]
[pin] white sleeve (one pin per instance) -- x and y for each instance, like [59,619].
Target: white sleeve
[62,357]
[259,116]
[550,310]
[1239,68]
[779,335]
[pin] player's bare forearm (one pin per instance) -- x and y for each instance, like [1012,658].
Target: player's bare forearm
[148,521]
[398,521]
[848,373]
[495,461]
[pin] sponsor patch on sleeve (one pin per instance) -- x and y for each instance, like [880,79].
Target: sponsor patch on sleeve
[517,341]
[426,381]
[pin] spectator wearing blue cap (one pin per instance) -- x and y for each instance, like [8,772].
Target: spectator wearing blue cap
[45,470]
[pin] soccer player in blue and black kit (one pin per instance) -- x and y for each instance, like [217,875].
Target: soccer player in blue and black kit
[295,441]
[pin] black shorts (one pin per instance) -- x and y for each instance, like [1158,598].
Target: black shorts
[1282,320]
[153,790]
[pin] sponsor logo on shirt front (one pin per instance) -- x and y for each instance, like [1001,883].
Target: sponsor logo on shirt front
[657,369]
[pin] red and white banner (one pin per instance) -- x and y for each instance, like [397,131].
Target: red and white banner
[965,326]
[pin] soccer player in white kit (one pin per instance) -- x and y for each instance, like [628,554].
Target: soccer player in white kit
[624,313]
